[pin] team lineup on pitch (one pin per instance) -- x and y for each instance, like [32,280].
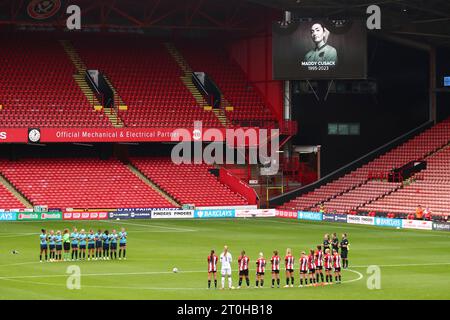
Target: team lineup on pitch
[154,249]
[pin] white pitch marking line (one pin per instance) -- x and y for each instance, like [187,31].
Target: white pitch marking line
[15,279]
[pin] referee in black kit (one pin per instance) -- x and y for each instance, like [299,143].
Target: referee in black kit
[335,242]
[344,251]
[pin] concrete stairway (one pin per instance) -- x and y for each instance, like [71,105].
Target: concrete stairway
[152,185]
[79,78]
[187,80]
[16,193]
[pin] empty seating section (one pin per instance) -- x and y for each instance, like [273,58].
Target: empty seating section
[351,190]
[148,80]
[37,87]
[246,101]
[188,183]
[80,183]
[8,201]
[432,192]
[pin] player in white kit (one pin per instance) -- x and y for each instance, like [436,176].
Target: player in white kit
[225,260]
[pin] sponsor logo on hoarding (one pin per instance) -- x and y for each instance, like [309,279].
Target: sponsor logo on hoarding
[313,216]
[8,216]
[386,222]
[334,217]
[255,213]
[288,214]
[441,226]
[85,215]
[215,213]
[28,216]
[51,216]
[3,135]
[417,224]
[360,220]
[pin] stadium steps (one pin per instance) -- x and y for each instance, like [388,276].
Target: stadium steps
[152,185]
[122,105]
[84,86]
[114,118]
[73,55]
[110,113]
[187,81]
[428,155]
[16,193]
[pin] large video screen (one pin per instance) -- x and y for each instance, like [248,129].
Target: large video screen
[319,50]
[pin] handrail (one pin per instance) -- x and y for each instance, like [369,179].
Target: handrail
[91,82]
[278,200]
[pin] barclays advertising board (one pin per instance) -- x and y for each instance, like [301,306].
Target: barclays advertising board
[313,216]
[386,222]
[215,213]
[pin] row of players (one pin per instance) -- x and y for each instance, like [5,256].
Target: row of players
[311,266]
[100,245]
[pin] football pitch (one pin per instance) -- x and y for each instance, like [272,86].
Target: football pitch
[413,264]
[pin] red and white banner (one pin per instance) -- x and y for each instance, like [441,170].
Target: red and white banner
[288,214]
[92,135]
[13,135]
[255,213]
[85,215]
[417,224]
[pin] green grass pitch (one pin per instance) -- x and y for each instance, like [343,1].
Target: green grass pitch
[414,264]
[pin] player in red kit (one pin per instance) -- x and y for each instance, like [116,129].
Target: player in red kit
[312,268]
[212,268]
[289,265]
[260,269]
[303,269]
[319,264]
[243,261]
[337,266]
[328,264]
[275,261]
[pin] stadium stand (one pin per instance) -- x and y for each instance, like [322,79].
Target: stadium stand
[7,199]
[37,87]
[248,106]
[80,183]
[148,81]
[432,192]
[188,183]
[356,190]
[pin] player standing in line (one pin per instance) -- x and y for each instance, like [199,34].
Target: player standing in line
[212,268]
[275,261]
[312,268]
[123,244]
[319,264]
[91,244]
[44,246]
[114,236]
[66,244]
[74,237]
[303,269]
[105,238]
[328,264]
[260,270]
[337,266]
[98,245]
[344,251]
[225,260]
[52,245]
[82,236]
[289,265]
[243,261]
[335,242]
[58,240]
[326,242]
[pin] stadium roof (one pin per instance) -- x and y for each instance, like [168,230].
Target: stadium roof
[427,20]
